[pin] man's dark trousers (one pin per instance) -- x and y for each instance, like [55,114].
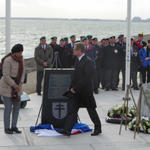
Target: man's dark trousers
[39,81]
[71,119]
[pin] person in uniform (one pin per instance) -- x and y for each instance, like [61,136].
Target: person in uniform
[82,91]
[81,38]
[62,54]
[89,37]
[90,51]
[122,48]
[98,60]
[112,65]
[43,56]
[135,62]
[54,44]
[140,43]
[70,48]
[107,42]
[66,41]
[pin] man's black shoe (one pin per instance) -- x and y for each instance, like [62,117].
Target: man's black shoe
[62,131]
[96,132]
[123,89]
[107,89]
[96,91]
[114,89]
[39,94]
[16,130]
[8,131]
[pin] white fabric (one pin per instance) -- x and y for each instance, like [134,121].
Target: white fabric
[81,56]
[50,133]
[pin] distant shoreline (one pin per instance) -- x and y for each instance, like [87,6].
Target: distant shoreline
[76,19]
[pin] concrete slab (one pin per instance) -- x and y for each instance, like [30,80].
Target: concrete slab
[109,140]
[12,140]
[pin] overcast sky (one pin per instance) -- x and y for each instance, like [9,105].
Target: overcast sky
[101,9]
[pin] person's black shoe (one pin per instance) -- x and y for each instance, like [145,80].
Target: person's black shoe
[123,89]
[62,131]
[39,94]
[107,89]
[96,91]
[103,87]
[140,85]
[96,132]
[16,130]
[8,131]
[114,89]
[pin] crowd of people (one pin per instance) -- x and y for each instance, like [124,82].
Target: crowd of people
[108,58]
[97,64]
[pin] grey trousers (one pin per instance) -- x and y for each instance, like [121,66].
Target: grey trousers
[10,107]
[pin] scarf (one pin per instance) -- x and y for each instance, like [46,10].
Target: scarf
[17,80]
[138,44]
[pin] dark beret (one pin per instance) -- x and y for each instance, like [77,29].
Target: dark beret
[65,39]
[84,39]
[62,40]
[72,36]
[112,37]
[89,36]
[140,35]
[120,36]
[42,38]
[95,39]
[54,37]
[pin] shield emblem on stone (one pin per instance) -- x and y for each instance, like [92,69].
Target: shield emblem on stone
[59,110]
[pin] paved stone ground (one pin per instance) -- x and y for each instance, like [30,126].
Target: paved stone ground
[109,140]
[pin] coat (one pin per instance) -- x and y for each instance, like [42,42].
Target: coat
[91,52]
[82,83]
[10,70]
[135,60]
[143,54]
[43,56]
[112,58]
[99,63]
[122,47]
[63,56]
[71,57]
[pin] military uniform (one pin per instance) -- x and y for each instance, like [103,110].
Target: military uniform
[135,62]
[112,65]
[69,49]
[122,49]
[99,67]
[42,54]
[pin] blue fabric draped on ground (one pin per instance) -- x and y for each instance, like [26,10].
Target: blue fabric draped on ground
[78,128]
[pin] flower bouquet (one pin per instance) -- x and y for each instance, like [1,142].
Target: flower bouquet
[144,126]
[115,114]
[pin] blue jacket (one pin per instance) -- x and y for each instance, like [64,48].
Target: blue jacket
[143,54]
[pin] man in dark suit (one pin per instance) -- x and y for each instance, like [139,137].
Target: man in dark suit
[82,90]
